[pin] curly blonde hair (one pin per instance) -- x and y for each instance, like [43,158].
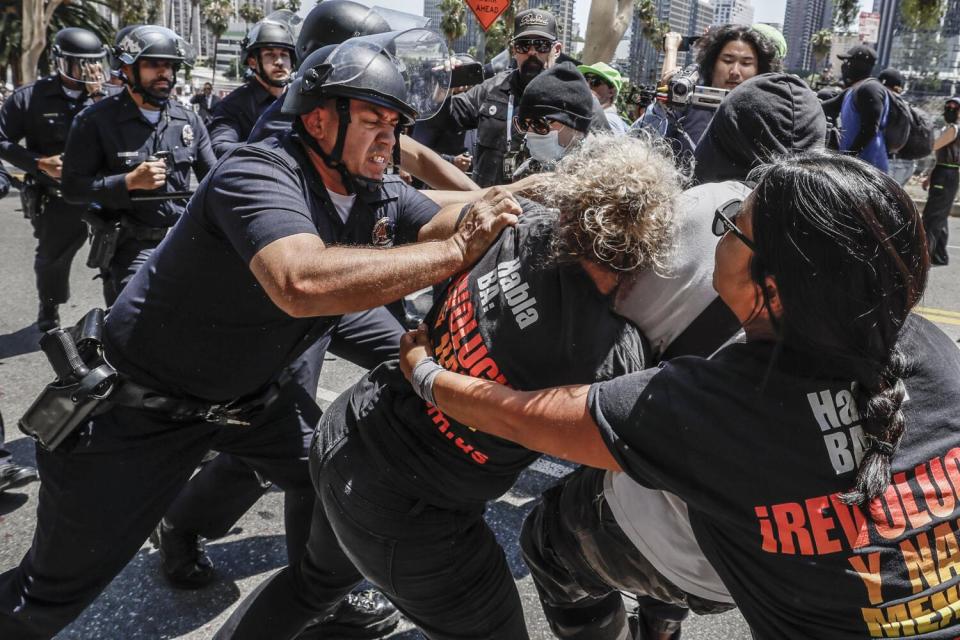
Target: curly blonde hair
[615,196]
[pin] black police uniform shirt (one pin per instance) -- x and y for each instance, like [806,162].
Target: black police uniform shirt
[517,318]
[40,115]
[194,320]
[236,114]
[271,122]
[486,107]
[109,139]
[761,467]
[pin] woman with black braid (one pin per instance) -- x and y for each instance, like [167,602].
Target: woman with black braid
[819,462]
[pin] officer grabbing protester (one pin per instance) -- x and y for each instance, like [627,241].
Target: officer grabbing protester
[132,153]
[34,123]
[490,107]
[268,50]
[257,270]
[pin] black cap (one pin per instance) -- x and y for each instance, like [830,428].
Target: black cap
[534,23]
[860,52]
[891,77]
[560,93]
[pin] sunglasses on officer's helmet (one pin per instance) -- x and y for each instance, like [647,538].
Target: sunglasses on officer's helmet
[541,46]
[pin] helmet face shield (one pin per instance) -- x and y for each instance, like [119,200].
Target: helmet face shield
[420,56]
[85,70]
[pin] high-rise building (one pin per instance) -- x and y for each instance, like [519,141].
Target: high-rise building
[733,12]
[563,10]
[801,20]
[689,17]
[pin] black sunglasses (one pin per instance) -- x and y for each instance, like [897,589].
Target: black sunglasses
[596,81]
[540,126]
[541,46]
[724,220]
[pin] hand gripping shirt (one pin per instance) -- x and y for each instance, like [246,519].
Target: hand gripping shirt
[516,318]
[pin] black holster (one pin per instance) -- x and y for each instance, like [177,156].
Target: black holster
[84,382]
[30,194]
[104,235]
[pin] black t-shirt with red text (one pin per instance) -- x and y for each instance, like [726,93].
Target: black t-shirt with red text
[517,318]
[762,467]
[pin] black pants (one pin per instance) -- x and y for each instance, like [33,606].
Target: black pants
[936,213]
[441,566]
[130,255]
[580,561]
[106,488]
[5,455]
[226,487]
[60,232]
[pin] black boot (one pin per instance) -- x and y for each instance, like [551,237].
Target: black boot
[364,615]
[183,558]
[15,475]
[48,318]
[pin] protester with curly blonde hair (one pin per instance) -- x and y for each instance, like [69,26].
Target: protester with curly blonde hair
[401,487]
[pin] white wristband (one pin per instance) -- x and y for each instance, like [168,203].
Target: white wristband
[424,373]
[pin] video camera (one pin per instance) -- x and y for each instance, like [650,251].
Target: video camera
[682,90]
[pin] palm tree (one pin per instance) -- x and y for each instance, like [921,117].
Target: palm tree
[820,43]
[844,13]
[650,25]
[217,14]
[921,15]
[250,14]
[453,24]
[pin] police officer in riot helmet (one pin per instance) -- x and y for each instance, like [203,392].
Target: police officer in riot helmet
[490,106]
[265,242]
[268,49]
[131,154]
[34,122]
[329,24]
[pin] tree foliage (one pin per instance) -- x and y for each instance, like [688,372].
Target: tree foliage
[500,33]
[921,15]
[820,43]
[250,13]
[135,11]
[651,27]
[844,13]
[292,5]
[453,24]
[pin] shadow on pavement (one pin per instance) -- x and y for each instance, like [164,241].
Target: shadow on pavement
[26,340]
[10,501]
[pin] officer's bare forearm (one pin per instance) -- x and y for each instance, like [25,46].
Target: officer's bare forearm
[305,279]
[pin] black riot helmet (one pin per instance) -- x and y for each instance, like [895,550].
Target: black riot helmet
[406,71]
[115,51]
[79,56]
[279,29]
[151,42]
[334,22]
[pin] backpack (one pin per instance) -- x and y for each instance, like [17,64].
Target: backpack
[909,131]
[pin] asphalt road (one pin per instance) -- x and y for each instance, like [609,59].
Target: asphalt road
[138,604]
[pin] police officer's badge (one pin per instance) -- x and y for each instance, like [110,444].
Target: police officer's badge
[382,235]
[187,135]
[492,110]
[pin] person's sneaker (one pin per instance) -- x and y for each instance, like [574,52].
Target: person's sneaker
[364,615]
[15,475]
[183,559]
[48,317]
[643,628]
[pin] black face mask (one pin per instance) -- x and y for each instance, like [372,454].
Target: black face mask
[950,115]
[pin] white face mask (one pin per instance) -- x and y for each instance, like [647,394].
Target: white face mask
[545,147]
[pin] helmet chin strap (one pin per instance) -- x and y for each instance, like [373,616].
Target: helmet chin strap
[265,77]
[148,97]
[334,159]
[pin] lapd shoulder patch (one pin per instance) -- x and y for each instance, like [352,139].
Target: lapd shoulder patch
[382,235]
[187,135]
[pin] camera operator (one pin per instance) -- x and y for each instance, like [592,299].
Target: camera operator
[726,56]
